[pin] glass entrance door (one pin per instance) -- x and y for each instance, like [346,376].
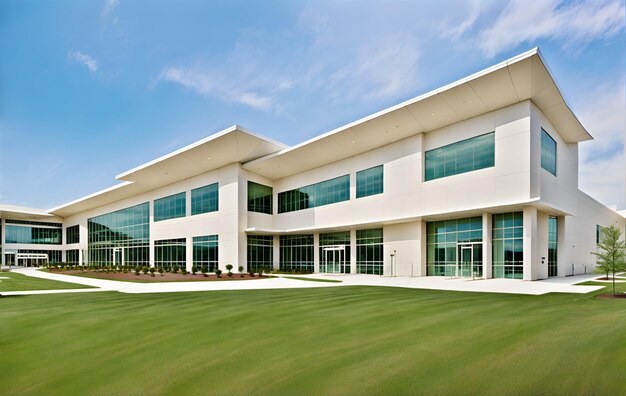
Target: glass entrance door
[466,262]
[469,260]
[332,259]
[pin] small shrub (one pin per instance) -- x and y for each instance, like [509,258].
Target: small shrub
[137,272]
[241,271]
[160,270]
[251,273]
[184,272]
[175,269]
[194,269]
[229,267]
[218,272]
[204,273]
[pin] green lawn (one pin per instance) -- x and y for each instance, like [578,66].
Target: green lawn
[304,278]
[339,341]
[20,282]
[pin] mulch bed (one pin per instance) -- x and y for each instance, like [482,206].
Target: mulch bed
[166,277]
[611,296]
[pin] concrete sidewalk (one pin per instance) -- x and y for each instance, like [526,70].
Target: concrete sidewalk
[553,285]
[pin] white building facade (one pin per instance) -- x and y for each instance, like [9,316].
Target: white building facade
[475,179]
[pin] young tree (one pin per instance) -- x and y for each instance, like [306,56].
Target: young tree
[611,253]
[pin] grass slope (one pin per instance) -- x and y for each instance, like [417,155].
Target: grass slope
[337,341]
[20,282]
[304,278]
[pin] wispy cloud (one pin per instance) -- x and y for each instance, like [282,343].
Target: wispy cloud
[474,11]
[578,23]
[602,172]
[208,83]
[84,60]
[109,7]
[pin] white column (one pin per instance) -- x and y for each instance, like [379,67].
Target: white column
[189,253]
[421,268]
[531,261]
[316,252]
[487,249]
[353,251]
[276,252]
[151,243]
[4,238]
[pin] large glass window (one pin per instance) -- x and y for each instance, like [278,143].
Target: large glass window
[460,157]
[71,256]
[170,252]
[54,256]
[508,245]
[442,245]
[33,235]
[553,235]
[259,198]
[319,194]
[334,252]
[369,181]
[598,233]
[39,223]
[296,253]
[120,237]
[260,252]
[548,152]
[205,199]
[72,234]
[369,251]
[170,207]
[205,252]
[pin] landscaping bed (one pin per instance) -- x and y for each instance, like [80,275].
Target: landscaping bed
[165,277]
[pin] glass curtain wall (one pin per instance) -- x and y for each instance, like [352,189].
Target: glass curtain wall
[72,234]
[170,207]
[369,251]
[71,256]
[334,252]
[205,252]
[296,253]
[548,152]
[553,236]
[170,252]
[128,229]
[319,194]
[442,246]
[369,182]
[259,198]
[461,157]
[205,199]
[33,235]
[54,256]
[508,245]
[260,252]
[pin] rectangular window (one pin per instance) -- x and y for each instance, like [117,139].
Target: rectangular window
[296,253]
[33,235]
[71,256]
[369,181]
[508,245]
[205,199]
[170,252]
[54,256]
[599,229]
[39,223]
[442,244]
[460,157]
[319,194]
[128,229]
[369,251]
[170,207]
[205,252]
[553,236]
[259,198]
[548,152]
[260,252]
[72,234]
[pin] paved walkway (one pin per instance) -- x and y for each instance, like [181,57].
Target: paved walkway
[552,285]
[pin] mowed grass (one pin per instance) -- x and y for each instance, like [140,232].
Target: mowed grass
[20,282]
[322,341]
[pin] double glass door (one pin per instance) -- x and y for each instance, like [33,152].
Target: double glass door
[469,260]
[332,259]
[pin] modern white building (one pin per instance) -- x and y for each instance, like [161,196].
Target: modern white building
[477,178]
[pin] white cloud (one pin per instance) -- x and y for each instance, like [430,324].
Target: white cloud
[602,172]
[204,83]
[524,21]
[475,8]
[84,59]
[382,69]
[109,7]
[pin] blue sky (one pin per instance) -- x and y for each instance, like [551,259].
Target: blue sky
[89,89]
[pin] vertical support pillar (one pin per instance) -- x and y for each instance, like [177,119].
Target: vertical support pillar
[189,253]
[151,242]
[2,243]
[565,264]
[353,251]
[421,268]
[531,260]
[316,252]
[487,249]
[276,252]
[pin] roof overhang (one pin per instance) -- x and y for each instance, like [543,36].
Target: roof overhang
[524,77]
[232,145]
[23,213]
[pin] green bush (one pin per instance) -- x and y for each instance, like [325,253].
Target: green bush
[194,269]
[229,267]
[184,271]
[241,271]
[175,269]
[218,272]
[160,270]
